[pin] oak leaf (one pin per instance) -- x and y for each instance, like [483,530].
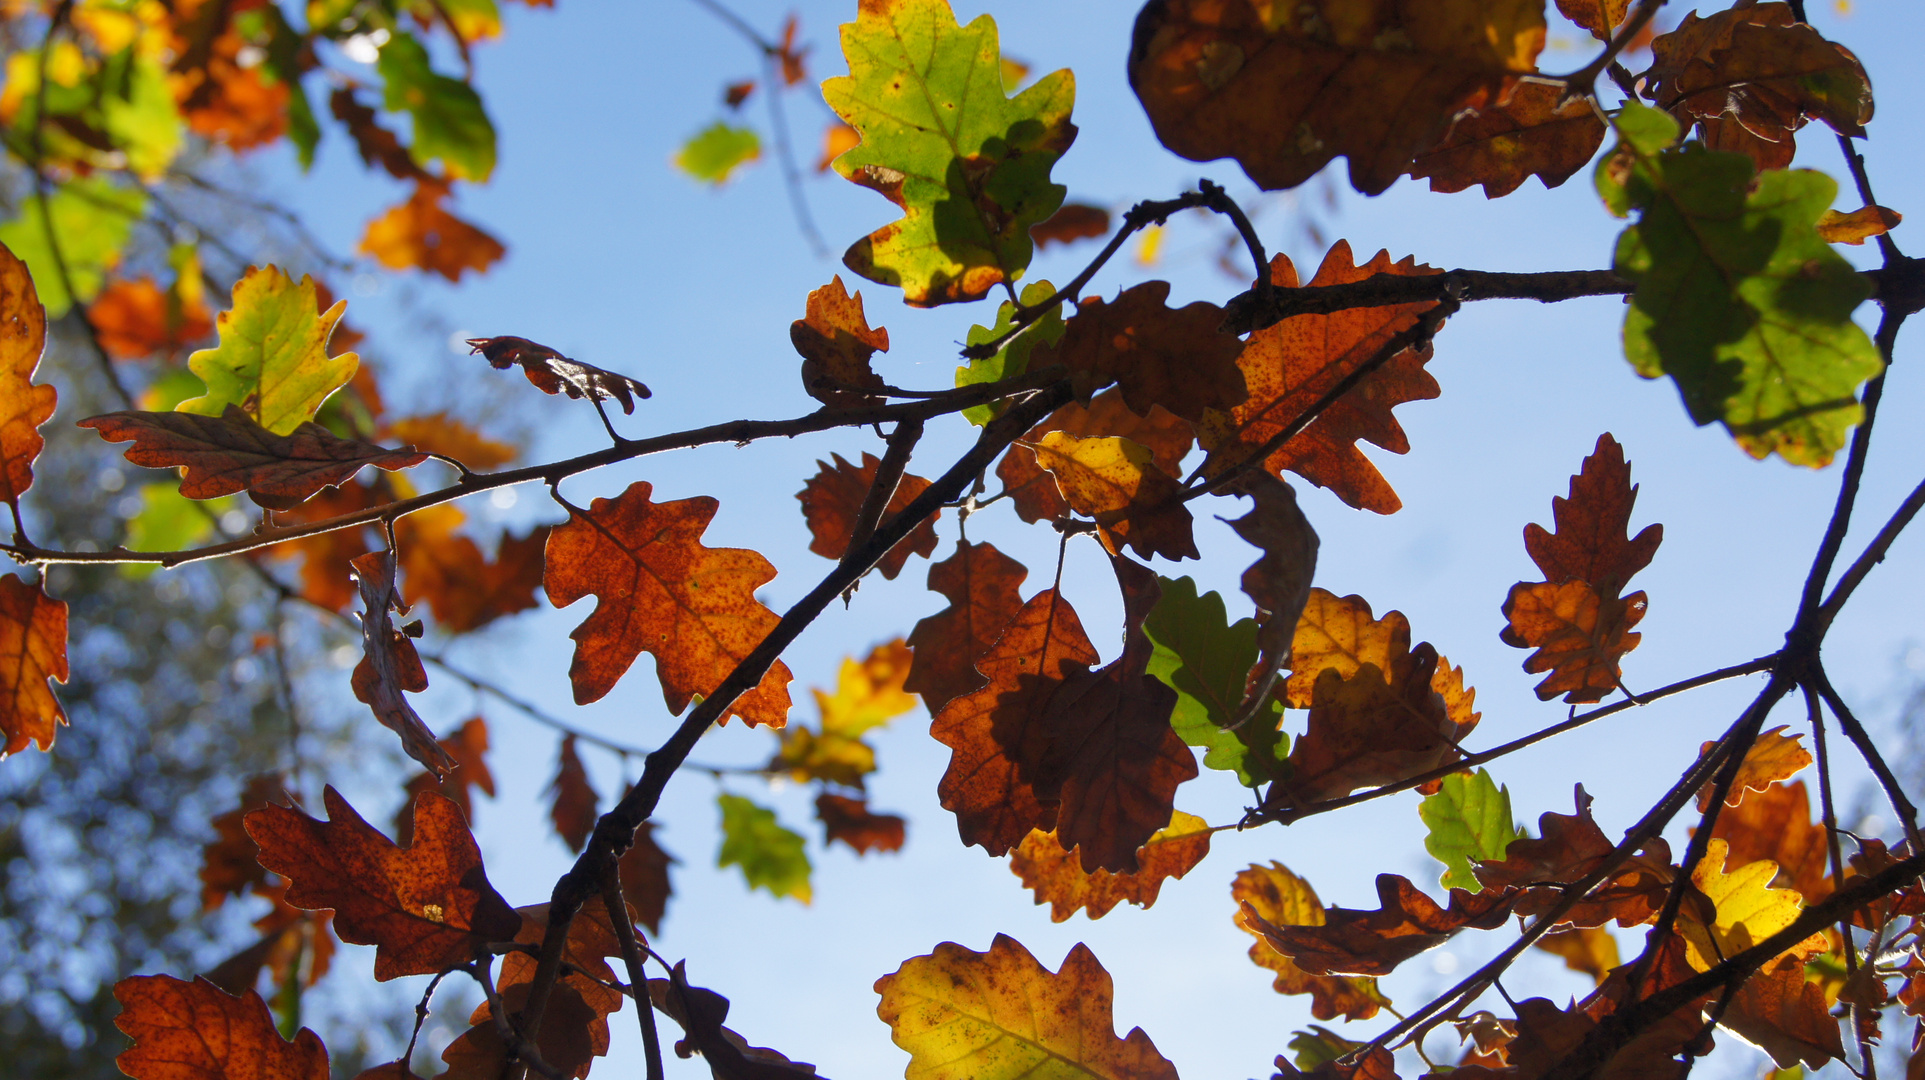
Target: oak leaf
[463,588]
[1207,659]
[327,558]
[770,855]
[1281,898]
[574,1027]
[449,122]
[852,822]
[1773,756]
[1283,90]
[1159,355]
[1116,482]
[1012,358]
[1033,489]
[868,695]
[1857,226]
[713,154]
[226,101]
[1278,583]
[375,144]
[1600,17]
[1748,910]
[833,497]
[443,434]
[1339,633]
[390,665]
[467,747]
[421,233]
[643,870]
[1469,818]
[137,319]
[24,406]
[1589,949]
[1070,223]
[33,646]
[225,454]
[273,360]
[983,588]
[295,947]
[1776,824]
[1501,146]
[1406,923]
[1569,847]
[661,591]
[425,907]
[1000,1015]
[228,864]
[1789,1017]
[553,373]
[1057,877]
[701,1011]
[572,808]
[1287,367]
[836,344]
[968,166]
[1547,1035]
[196,1031]
[1379,726]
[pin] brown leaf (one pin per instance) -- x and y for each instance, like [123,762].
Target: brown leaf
[230,453]
[195,1031]
[421,233]
[1057,877]
[443,434]
[573,808]
[1070,223]
[1590,949]
[467,745]
[836,343]
[574,1027]
[553,373]
[701,1011]
[1569,847]
[137,319]
[643,870]
[1752,76]
[982,586]
[1292,364]
[1501,146]
[228,864]
[1375,727]
[425,907]
[1591,542]
[24,406]
[1787,1016]
[375,144]
[993,795]
[1116,482]
[464,590]
[1281,898]
[1600,17]
[1547,1034]
[389,664]
[1284,90]
[33,649]
[661,591]
[735,93]
[833,497]
[1857,226]
[852,822]
[1173,357]
[1406,923]
[1034,490]
[1773,756]
[1776,824]
[1278,582]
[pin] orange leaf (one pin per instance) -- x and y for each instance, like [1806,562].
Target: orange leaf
[1859,225]
[574,1028]
[464,590]
[23,405]
[836,344]
[1600,17]
[228,865]
[195,1031]
[467,746]
[573,809]
[425,907]
[136,319]
[1070,223]
[1773,756]
[643,870]
[1787,1016]
[1292,364]
[33,646]
[1285,90]
[981,584]
[1591,542]
[661,591]
[225,101]
[1281,898]
[1501,146]
[1173,357]
[833,497]
[1406,923]
[422,233]
[1375,727]
[852,822]
[1116,482]
[553,373]
[443,434]
[1776,824]
[389,664]
[1590,949]
[1338,633]
[231,452]
[1057,878]
[837,139]
[1034,490]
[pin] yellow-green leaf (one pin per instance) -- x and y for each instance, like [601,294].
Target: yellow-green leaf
[449,122]
[771,856]
[272,361]
[90,221]
[713,154]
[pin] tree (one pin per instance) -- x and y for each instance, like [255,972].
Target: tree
[1086,416]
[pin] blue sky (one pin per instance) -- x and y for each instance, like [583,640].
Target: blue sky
[618,260]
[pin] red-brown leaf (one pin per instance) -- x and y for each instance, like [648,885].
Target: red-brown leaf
[1406,923]
[574,1029]
[1173,357]
[390,665]
[467,746]
[982,585]
[852,822]
[24,406]
[643,870]
[573,808]
[1070,223]
[836,344]
[196,1031]
[553,373]
[229,865]
[33,649]
[421,233]
[464,589]
[1034,490]
[833,497]
[1501,146]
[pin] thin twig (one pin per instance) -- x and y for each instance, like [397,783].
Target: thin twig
[1895,794]
[1828,816]
[1873,555]
[902,443]
[637,973]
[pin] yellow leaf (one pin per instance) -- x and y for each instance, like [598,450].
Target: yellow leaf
[272,361]
[1338,633]
[1117,482]
[1774,756]
[868,694]
[1057,877]
[1858,226]
[1748,910]
[1284,899]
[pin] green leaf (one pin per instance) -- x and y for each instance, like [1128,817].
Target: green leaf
[713,154]
[1318,1046]
[1739,299]
[1012,359]
[968,166]
[449,122]
[142,119]
[283,64]
[771,857]
[272,361]
[1469,819]
[91,220]
[170,521]
[1206,660]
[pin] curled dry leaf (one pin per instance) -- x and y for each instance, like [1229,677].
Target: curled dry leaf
[197,1031]
[231,453]
[553,373]
[983,588]
[661,591]
[1406,923]
[1278,582]
[24,406]
[1773,756]
[421,233]
[1000,1015]
[1287,367]
[1173,357]
[1117,483]
[700,1012]
[1057,877]
[573,807]
[836,344]
[833,497]
[1859,225]
[1280,898]
[390,665]
[425,907]
[852,822]
[1033,489]
[1501,146]
[1285,89]
[33,649]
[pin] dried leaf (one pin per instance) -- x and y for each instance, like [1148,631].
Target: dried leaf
[467,745]
[836,344]
[1173,357]
[1378,727]
[1773,756]
[643,870]
[1057,877]
[1787,1016]
[1339,634]
[852,822]
[375,144]
[1374,942]
[425,907]
[1776,824]
[1278,583]
[1501,146]
[1116,482]
[1034,490]
[228,864]
[422,234]
[1073,222]
[327,558]
[33,646]
[1857,226]
[982,586]
[1600,17]
[701,1011]
[24,406]
[833,497]
[1570,847]
[465,590]
[553,373]
[389,664]
[1590,950]
[661,591]
[574,799]
[1749,910]
[196,1031]
[1281,898]
[574,1028]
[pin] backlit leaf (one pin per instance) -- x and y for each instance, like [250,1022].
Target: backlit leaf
[1000,1015]
[553,373]
[982,586]
[1773,756]
[643,870]
[443,434]
[425,907]
[1857,226]
[33,649]
[1776,824]
[1378,726]
[1749,910]
[701,1011]
[1116,482]
[1173,357]
[853,823]
[1339,633]
[1057,877]
[273,360]
[572,798]
[389,663]
[1406,923]
[660,591]
[836,344]
[833,497]
[1283,89]
[968,166]
[1070,223]
[574,1028]
[91,220]
[1569,847]
[1501,146]
[1739,299]
[1787,1016]
[197,1031]
[137,319]
[463,588]
[1013,358]
[713,154]
[770,856]
[1034,490]
[870,692]
[1600,17]
[1591,950]
[24,406]
[467,746]
[1278,583]
[1289,366]
[1207,661]
[1281,898]
[449,123]
[421,233]
[1469,819]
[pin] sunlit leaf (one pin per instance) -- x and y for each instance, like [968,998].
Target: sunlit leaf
[1013,358]
[713,154]
[1207,661]
[1058,879]
[770,856]
[197,1031]
[421,233]
[1281,898]
[450,124]
[273,360]
[1469,819]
